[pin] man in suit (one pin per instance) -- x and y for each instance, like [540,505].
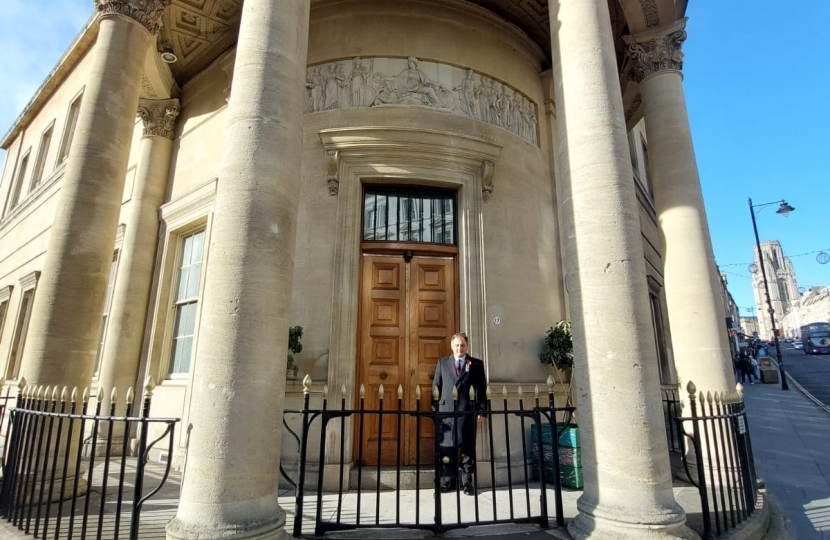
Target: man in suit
[458,431]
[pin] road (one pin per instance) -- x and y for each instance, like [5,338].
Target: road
[811,371]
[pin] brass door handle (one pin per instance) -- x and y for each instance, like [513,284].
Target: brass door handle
[432,375]
[383,375]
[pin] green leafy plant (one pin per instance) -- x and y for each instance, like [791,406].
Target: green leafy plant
[558,351]
[295,334]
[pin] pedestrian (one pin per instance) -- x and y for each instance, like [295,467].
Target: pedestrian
[745,368]
[756,370]
[457,432]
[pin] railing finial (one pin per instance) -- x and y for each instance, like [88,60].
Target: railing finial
[380,392]
[504,391]
[21,384]
[436,394]
[519,391]
[64,393]
[362,391]
[709,397]
[472,393]
[536,391]
[130,395]
[740,388]
[74,394]
[691,389]
[325,391]
[100,394]
[343,391]
[307,384]
[114,395]
[550,384]
[149,386]
[454,393]
[86,393]
[55,393]
[487,392]
[400,391]
[418,392]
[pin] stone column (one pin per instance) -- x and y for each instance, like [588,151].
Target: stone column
[692,284]
[66,320]
[628,485]
[230,483]
[128,308]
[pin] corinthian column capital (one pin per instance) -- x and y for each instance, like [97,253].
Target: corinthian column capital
[657,50]
[159,116]
[147,13]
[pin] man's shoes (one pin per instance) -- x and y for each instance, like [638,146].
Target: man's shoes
[468,490]
[447,489]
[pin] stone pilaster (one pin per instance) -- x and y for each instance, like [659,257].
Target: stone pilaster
[128,307]
[628,485]
[231,485]
[66,321]
[692,284]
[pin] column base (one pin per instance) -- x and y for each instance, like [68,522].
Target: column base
[589,527]
[273,530]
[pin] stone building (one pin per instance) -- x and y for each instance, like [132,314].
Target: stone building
[195,177]
[812,306]
[783,288]
[749,325]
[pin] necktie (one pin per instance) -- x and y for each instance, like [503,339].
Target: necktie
[458,367]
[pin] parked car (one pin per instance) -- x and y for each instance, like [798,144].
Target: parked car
[788,340]
[798,345]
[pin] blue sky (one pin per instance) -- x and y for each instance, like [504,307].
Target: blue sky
[757,96]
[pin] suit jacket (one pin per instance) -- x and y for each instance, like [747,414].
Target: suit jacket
[464,425]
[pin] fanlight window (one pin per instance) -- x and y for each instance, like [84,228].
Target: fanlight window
[409,215]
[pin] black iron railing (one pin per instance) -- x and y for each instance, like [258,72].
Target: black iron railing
[724,469]
[509,503]
[671,410]
[50,489]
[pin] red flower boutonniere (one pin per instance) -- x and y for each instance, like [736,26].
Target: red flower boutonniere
[469,363]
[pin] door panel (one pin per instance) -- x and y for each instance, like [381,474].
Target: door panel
[408,314]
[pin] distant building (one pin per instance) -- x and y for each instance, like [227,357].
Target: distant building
[749,325]
[783,289]
[812,306]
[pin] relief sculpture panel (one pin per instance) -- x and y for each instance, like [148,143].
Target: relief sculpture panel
[410,82]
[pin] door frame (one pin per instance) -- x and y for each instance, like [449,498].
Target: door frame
[384,155]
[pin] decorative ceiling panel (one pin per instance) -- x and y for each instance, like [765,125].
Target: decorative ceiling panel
[201,30]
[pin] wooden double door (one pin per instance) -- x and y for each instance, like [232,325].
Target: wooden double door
[408,313]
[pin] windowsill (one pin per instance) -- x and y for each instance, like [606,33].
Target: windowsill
[176,381]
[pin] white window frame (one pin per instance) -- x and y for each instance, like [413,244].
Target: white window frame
[69,128]
[102,343]
[42,153]
[5,299]
[16,189]
[28,287]
[173,305]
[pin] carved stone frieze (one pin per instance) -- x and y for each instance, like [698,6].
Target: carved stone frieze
[410,82]
[650,13]
[159,117]
[654,52]
[147,13]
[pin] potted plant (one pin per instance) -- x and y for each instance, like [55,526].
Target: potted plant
[558,351]
[295,333]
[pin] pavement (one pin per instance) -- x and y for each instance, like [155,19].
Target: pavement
[791,445]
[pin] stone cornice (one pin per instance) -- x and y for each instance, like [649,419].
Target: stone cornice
[29,281]
[159,117]
[6,293]
[655,51]
[147,13]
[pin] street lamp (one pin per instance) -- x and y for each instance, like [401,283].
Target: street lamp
[784,209]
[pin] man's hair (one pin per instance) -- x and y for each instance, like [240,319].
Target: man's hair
[461,335]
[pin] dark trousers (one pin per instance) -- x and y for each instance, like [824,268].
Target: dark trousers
[450,471]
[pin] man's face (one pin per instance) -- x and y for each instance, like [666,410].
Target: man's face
[459,347]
